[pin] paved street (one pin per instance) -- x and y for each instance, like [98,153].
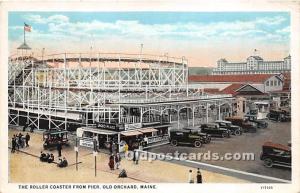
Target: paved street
[248,142]
[25,167]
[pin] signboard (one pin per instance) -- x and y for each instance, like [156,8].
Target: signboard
[109,126]
[86,143]
[133,126]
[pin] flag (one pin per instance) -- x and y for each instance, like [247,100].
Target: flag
[27,27]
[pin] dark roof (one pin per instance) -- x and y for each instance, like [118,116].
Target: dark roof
[256,57]
[238,78]
[232,89]
[276,145]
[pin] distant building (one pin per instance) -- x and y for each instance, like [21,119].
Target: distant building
[264,83]
[253,65]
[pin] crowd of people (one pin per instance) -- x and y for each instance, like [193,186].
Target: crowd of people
[114,161]
[46,157]
[19,141]
[49,158]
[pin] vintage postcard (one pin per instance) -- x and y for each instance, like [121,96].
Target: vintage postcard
[150,96]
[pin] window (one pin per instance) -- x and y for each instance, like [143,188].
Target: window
[271,83]
[267,83]
[275,82]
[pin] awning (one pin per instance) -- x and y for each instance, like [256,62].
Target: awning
[131,133]
[147,130]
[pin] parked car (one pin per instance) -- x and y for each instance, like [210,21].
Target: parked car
[187,136]
[276,154]
[260,124]
[215,130]
[52,137]
[206,137]
[234,129]
[243,123]
[280,115]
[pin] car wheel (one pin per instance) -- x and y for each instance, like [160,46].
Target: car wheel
[268,162]
[174,142]
[197,144]
[237,132]
[266,125]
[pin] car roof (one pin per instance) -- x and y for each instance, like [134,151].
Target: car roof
[222,121]
[234,117]
[211,124]
[276,145]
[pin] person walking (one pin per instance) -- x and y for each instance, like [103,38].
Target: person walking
[190,178]
[113,147]
[59,148]
[199,176]
[16,142]
[111,162]
[20,140]
[117,160]
[27,139]
[136,157]
[13,145]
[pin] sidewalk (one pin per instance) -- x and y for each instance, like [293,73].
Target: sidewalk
[26,167]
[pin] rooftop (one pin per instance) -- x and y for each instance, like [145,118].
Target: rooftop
[239,78]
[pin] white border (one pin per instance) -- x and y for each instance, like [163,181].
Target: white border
[158,5]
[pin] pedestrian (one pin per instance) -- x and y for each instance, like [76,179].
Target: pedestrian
[199,176]
[145,141]
[20,140]
[126,149]
[111,162]
[117,160]
[27,139]
[16,142]
[42,156]
[59,148]
[31,129]
[110,146]
[24,127]
[51,158]
[113,147]
[13,145]
[190,179]
[136,156]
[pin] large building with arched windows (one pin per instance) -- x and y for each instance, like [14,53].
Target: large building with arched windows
[253,65]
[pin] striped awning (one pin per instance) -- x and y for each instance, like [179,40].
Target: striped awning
[131,133]
[147,130]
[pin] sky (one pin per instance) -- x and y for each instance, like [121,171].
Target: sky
[201,37]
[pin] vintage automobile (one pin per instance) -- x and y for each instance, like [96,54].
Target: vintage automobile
[260,124]
[215,130]
[188,136]
[244,123]
[234,129]
[280,115]
[276,154]
[53,137]
[206,137]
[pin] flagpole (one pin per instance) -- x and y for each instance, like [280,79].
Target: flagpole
[24,33]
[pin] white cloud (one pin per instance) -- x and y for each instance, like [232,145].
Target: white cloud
[60,26]
[44,20]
